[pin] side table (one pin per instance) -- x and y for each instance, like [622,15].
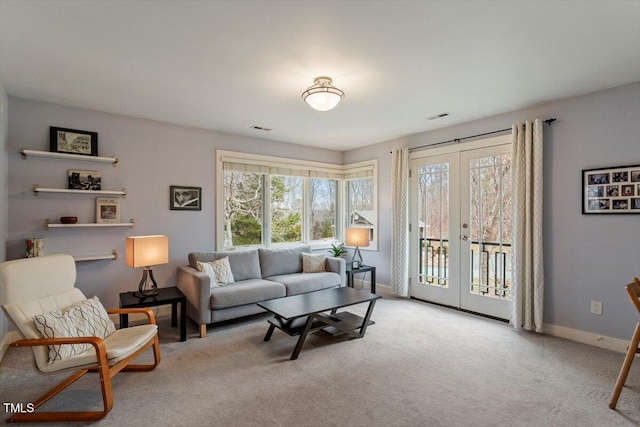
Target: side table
[171,295]
[362,269]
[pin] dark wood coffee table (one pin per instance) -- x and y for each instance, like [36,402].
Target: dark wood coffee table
[306,313]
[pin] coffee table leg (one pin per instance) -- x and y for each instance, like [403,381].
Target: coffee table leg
[367,316]
[269,332]
[303,336]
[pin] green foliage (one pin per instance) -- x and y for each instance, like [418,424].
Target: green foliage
[246,230]
[337,249]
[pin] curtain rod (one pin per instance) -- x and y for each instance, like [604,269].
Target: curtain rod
[457,140]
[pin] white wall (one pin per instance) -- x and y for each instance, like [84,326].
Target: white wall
[587,257]
[153,156]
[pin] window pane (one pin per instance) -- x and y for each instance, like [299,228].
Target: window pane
[323,213]
[360,204]
[286,209]
[243,196]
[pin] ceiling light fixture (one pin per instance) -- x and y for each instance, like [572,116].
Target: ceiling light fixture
[322,96]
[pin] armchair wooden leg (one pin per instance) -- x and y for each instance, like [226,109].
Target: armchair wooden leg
[203,330]
[107,400]
[626,365]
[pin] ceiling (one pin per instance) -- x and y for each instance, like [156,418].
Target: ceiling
[229,65]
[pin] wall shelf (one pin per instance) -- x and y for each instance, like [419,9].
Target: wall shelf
[112,256]
[35,153]
[48,224]
[37,189]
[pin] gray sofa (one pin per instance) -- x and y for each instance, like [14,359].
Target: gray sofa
[260,274]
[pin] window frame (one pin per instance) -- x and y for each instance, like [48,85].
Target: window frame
[306,170]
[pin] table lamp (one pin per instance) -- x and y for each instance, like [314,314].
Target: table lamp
[145,251]
[358,237]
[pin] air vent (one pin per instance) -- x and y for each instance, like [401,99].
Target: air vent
[438,116]
[261,128]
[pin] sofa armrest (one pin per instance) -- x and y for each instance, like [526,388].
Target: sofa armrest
[338,265]
[196,286]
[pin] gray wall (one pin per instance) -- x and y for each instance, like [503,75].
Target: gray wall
[4,172]
[587,257]
[153,156]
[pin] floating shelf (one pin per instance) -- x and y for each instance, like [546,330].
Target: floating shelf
[37,189]
[112,256]
[25,152]
[48,224]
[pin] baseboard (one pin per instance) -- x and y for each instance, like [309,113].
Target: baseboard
[8,338]
[585,337]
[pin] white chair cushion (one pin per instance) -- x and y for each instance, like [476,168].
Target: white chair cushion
[119,345]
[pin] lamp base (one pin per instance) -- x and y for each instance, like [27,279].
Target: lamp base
[142,291]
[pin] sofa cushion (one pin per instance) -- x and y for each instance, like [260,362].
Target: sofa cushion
[246,292]
[244,264]
[275,262]
[299,283]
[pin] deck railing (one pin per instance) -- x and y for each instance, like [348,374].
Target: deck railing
[490,266]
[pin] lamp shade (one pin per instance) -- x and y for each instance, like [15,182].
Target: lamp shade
[358,237]
[144,251]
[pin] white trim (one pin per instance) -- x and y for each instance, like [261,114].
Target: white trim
[8,338]
[596,340]
[223,156]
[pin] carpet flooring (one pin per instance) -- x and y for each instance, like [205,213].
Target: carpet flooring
[419,365]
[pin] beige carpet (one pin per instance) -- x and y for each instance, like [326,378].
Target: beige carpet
[419,365]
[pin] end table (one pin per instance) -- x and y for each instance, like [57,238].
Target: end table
[171,295]
[362,269]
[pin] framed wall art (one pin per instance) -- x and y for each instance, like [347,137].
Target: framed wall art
[107,211]
[84,180]
[614,190]
[185,198]
[73,141]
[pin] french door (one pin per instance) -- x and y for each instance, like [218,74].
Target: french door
[461,227]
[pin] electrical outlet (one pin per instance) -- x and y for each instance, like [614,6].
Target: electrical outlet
[596,307]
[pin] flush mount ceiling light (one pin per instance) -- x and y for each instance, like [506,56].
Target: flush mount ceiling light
[322,96]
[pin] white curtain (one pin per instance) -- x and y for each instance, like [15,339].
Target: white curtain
[526,251]
[400,222]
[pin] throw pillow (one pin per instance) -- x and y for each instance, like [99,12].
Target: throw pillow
[85,318]
[92,319]
[219,271]
[313,263]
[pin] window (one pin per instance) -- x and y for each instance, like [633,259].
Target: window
[323,210]
[265,200]
[243,200]
[286,209]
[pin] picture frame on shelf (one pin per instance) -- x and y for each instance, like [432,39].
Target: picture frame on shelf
[107,210]
[183,198]
[613,190]
[84,180]
[73,141]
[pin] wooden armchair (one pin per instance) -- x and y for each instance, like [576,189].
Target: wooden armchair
[36,286]
[633,291]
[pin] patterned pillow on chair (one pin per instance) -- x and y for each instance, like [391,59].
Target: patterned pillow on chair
[87,318]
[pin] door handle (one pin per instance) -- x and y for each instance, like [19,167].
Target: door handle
[465,237]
